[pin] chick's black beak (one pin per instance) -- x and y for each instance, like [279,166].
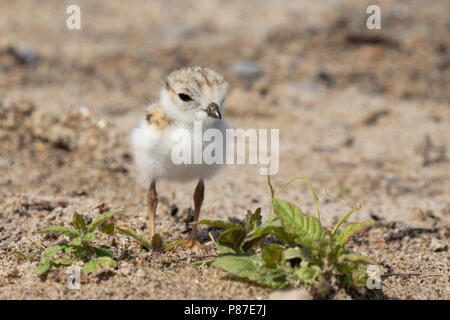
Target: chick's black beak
[213,111]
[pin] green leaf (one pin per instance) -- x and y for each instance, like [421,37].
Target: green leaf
[268,227]
[23,256]
[316,200]
[31,256]
[100,219]
[308,274]
[19,255]
[359,275]
[206,262]
[79,223]
[108,228]
[46,260]
[352,229]
[250,242]
[271,253]
[274,223]
[265,230]
[247,266]
[52,251]
[99,263]
[61,230]
[284,237]
[355,258]
[132,233]
[296,223]
[219,224]
[242,265]
[257,235]
[232,238]
[254,220]
[63,261]
[91,266]
[42,269]
[103,251]
[224,250]
[78,240]
[172,245]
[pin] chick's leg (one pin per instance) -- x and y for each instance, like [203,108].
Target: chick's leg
[199,194]
[152,203]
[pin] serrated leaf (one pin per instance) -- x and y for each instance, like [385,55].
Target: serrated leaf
[78,240]
[283,236]
[79,223]
[355,258]
[63,261]
[60,230]
[106,262]
[100,219]
[254,220]
[108,228]
[351,230]
[68,249]
[132,233]
[82,253]
[232,238]
[297,224]
[219,224]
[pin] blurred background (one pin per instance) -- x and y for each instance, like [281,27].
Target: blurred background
[363,114]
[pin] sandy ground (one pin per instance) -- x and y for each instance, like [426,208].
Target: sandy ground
[362,114]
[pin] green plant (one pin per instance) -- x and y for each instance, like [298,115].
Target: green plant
[290,248]
[21,256]
[79,246]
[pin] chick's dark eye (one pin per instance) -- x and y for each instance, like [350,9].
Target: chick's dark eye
[184,97]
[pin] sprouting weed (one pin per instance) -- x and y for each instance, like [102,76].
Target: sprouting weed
[79,246]
[305,253]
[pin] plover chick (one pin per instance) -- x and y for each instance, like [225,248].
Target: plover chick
[190,95]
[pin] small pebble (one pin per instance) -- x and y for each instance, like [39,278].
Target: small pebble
[438,245]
